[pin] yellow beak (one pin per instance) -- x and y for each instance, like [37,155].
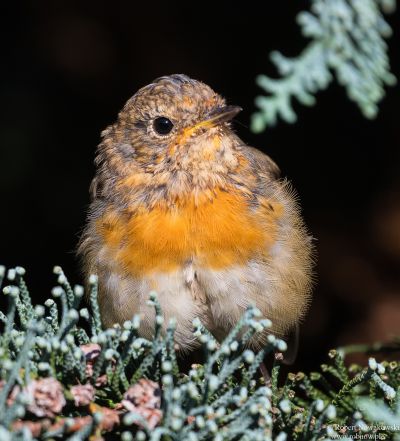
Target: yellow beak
[219,116]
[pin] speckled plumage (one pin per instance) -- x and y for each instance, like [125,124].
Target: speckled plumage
[195,215]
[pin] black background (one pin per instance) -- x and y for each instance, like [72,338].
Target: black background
[67,69]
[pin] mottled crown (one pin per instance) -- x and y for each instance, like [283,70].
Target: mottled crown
[176,96]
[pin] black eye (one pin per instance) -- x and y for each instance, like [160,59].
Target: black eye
[162,125]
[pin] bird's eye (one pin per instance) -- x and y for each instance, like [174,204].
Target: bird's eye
[162,125]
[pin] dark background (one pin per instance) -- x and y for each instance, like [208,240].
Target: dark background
[67,69]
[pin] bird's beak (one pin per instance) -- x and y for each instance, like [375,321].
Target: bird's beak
[215,117]
[220,115]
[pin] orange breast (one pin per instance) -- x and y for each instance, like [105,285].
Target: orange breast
[216,233]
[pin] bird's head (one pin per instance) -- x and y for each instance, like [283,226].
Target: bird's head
[174,114]
[175,130]
[173,135]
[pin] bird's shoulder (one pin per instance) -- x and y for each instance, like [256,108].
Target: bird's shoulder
[261,163]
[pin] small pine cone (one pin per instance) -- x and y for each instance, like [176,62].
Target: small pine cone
[45,396]
[83,394]
[145,393]
[144,398]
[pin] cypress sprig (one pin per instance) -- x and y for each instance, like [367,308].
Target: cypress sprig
[347,44]
[224,399]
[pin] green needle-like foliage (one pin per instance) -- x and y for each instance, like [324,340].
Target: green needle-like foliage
[62,376]
[347,42]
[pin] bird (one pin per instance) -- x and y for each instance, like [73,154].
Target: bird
[180,205]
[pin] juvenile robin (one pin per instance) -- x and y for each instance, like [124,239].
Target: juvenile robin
[182,206]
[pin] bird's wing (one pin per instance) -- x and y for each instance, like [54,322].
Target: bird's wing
[262,162]
[268,171]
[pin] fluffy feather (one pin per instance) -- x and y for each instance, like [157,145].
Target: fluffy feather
[195,215]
